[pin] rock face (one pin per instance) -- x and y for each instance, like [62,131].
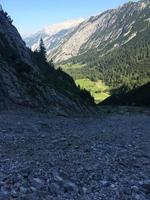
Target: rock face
[104,32]
[20,78]
[52,35]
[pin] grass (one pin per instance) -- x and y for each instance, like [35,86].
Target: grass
[71,66]
[97,89]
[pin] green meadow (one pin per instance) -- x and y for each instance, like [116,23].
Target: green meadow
[97,89]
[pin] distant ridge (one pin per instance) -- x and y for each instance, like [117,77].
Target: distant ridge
[52,35]
[137,97]
[113,46]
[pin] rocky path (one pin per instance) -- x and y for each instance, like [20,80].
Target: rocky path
[55,158]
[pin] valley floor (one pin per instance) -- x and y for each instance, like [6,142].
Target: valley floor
[55,158]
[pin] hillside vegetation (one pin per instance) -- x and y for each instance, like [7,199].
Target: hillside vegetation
[137,97]
[122,69]
[117,50]
[113,46]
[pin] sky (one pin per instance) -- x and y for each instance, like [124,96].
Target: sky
[30,16]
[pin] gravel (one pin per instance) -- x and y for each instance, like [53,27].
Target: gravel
[57,158]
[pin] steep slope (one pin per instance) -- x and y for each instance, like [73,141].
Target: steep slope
[23,79]
[52,35]
[113,47]
[137,97]
[124,63]
[128,65]
[105,32]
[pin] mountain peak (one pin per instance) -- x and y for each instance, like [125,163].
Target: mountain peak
[52,35]
[54,28]
[106,31]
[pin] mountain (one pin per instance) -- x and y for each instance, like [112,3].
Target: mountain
[113,47]
[28,81]
[137,97]
[52,35]
[106,31]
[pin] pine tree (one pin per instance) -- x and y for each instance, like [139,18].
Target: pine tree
[42,50]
